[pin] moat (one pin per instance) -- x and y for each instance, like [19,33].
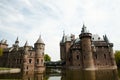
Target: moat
[58,74]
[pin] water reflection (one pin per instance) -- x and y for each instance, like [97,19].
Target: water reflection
[58,74]
[90,75]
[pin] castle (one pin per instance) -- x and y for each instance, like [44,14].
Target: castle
[27,58]
[88,52]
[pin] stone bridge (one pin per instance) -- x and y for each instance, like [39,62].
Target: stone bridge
[54,64]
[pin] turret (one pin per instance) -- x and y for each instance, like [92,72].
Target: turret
[25,57]
[39,47]
[3,44]
[62,48]
[16,43]
[26,48]
[85,37]
[39,55]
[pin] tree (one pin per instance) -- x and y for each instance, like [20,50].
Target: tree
[1,51]
[47,57]
[117,58]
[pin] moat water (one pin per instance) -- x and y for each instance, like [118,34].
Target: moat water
[58,74]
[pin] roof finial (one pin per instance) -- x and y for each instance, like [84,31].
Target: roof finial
[84,29]
[63,32]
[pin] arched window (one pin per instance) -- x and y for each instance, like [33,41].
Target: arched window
[41,61]
[105,56]
[37,61]
[95,56]
[30,60]
[77,57]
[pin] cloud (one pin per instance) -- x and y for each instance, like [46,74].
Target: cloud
[30,18]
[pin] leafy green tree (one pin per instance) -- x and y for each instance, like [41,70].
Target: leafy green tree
[47,57]
[117,58]
[1,51]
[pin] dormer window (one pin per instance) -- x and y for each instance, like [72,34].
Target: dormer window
[98,38]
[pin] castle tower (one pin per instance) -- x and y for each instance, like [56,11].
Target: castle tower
[16,45]
[85,37]
[25,57]
[26,47]
[3,44]
[62,48]
[110,46]
[17,42]
[39,55]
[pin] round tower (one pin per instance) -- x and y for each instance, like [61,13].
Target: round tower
[62,48]
[25,57]
[85,43]
[39,55]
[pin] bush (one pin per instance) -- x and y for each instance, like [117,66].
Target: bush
[1,51]
[47,57]
[117,58]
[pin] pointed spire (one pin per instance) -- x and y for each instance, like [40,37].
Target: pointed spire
[2,41]
[26,44]
[40,40]
[17,40]
[63,33]
[63,38]
[5,42]
[84,29]
[106,38]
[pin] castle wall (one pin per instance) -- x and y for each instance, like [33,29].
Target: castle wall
[3,46]
[76,58]
[62,52]
[29,61]
[102,57]
[67,51]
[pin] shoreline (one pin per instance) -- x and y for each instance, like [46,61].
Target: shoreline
[11,70]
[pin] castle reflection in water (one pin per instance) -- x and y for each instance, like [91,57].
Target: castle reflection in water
[58,74]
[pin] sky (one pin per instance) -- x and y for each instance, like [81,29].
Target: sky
[28,19]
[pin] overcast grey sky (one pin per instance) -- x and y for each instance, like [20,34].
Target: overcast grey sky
[27,19]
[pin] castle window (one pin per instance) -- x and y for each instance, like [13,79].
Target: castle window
[20,61]
[84,56]
[41,61]
[31,54]
[96,56]
[105,56]
[98,38]
[27,67]
[37,61]
[29,78]
[69,59]
[30,60]
[77,57]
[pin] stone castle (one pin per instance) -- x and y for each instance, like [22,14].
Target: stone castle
[87,52]
[27,58]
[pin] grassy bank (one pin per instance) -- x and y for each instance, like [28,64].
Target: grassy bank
[1,68]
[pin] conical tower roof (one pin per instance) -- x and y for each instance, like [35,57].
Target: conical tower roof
[26,44]
[17,41]
[40,40]
[63,38]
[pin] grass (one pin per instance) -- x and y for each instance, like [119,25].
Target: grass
[1,68]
